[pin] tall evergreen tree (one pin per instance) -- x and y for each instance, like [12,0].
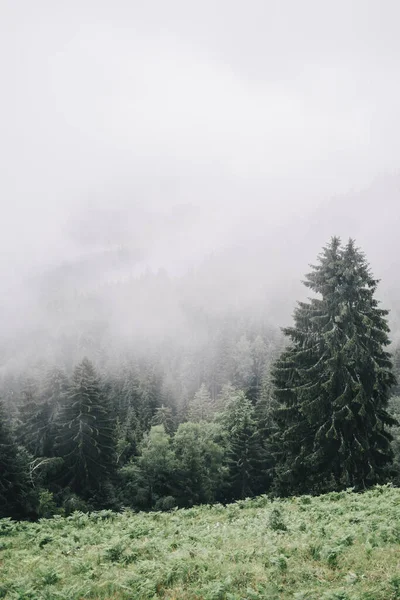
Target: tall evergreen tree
[396,370]
[14,479]
[259,353]
[163,416]
[243,364]
[201,406]
[128,435]
[86,441]
[150,394]
[333,381]
[30,418]
[246,459]
[39,411]
[128,398]
[9,387]
[394,409]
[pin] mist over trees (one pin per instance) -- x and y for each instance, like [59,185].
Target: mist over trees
[227,408]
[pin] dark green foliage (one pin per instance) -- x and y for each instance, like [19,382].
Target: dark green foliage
[276,521]
[30,419]
[183,470]
[128,397]
[36,430]
[148,478]
[9,385]
[333,381]
[394,407]
[163,416]
[15,485]
[396,370]
[128,434]
[265,407]
[134,398]
[86,440]
[199,458]
[39,411]
[246,457]
[259,354]
[205,417]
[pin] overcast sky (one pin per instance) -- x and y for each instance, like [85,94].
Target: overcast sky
[171,126]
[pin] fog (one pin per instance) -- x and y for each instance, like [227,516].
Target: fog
[219,141]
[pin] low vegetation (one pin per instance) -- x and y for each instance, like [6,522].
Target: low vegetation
[339,546]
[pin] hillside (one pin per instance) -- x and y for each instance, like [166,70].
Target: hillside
[334,547]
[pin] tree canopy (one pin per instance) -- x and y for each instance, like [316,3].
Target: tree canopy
[333,381]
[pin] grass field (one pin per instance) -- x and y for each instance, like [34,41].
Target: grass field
[335,547]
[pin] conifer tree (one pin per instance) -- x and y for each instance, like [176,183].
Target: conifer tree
[224,398]
[39,411]
[163,416]
[333,381]
[201,406]
[27,413]
[128,435]
[129,397]
[396,370]
[259,354]
[213,362]
[245,456]
[86,441]
[14,479]
[394,409]
[150,394]
[243,364]
[9,393]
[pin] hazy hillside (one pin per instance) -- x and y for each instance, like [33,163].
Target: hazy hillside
[110,288]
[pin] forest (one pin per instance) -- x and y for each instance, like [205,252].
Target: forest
[235,409]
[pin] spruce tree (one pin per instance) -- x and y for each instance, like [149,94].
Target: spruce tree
[246,458]
[333,381]
[163,416]
[15,487]
[86,441]
[396,371]
[243,364]
[29,420]
[394,409]
[201,406]
[129,397]
[149,394]
[128,435]
[259,354]
[38,412]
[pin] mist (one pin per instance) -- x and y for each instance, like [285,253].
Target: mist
[207,150]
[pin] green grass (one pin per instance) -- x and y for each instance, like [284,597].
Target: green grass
[335,547]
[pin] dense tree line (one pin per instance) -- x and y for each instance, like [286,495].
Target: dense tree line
[243,414]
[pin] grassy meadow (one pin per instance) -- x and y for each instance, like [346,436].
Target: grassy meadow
[340,546]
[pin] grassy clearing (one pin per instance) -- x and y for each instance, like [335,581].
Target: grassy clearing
[336,547]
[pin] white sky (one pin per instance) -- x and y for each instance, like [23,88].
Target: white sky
[177,126]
